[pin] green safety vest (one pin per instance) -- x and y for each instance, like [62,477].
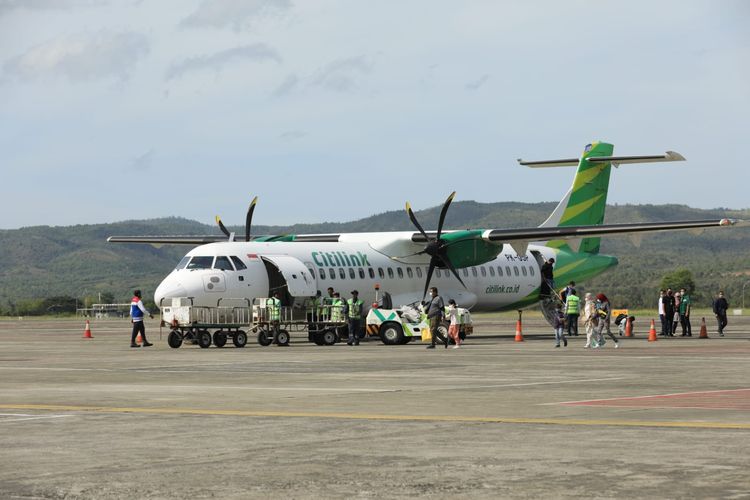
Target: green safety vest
[274,308]
[572,303]
[355,308]
[337,310]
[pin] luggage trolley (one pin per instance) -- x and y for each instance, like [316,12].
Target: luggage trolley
[324,325]
[188,322]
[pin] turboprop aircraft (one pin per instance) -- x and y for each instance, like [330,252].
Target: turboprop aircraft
[482,269]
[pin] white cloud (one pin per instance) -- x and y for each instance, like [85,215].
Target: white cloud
[238,14]
[257,52]
[476,84]
[287,87]
[11,5]
[81,57]
[292,135]
[342,75]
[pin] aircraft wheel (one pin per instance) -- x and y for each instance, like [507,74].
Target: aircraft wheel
[240,339]
[174,339]
[328,337]
[220,339]
[204,339]
[442,332]
[391,333]
[283,338]
[263,338]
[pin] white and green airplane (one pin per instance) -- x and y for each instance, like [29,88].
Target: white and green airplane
[481,269]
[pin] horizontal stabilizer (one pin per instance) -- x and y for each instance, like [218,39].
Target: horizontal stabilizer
[615,160]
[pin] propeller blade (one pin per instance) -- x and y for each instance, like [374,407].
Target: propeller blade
[415,221]
[222,226]
[450,266]
[249,218]
[429,277]
[443,212]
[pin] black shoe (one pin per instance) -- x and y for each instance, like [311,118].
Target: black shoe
[432,346]
[565,342]
[348,343]
[135,345]
[147,344]
[356,343]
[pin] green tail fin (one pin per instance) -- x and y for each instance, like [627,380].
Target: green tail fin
[585,202]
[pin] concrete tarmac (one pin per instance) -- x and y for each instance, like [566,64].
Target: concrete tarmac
[93,418]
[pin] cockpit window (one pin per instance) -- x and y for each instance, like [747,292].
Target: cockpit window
[183,262]
[238,264]
[201,262]
[223,263]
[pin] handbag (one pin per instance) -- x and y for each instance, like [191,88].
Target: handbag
[426,335]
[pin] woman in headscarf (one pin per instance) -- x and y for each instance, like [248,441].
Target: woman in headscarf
[604,310]
[589,312]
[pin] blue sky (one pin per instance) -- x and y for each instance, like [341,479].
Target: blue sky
[336,110]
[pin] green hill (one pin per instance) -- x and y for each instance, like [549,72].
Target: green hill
[41,262]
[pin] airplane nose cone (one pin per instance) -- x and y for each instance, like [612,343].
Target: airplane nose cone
[166,291]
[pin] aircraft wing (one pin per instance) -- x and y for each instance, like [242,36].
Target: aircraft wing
[167,240]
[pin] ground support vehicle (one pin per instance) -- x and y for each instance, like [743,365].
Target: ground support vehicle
[402,325]
[323,325]
[190,323]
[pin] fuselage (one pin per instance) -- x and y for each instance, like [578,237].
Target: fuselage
[247,270]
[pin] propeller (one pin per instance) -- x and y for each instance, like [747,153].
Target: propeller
[248,221]
[436,247]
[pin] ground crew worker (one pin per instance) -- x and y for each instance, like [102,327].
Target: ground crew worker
[327,304]
[137,310]
[274,314]
[354,314]
[338,314]
[572,310]
[684,311]
[313,314]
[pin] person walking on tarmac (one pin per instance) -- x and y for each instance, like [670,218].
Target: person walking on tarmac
[604,310]
[435,308]
[274,314]
[137,310]
[668,301]
[720,307]
[572,311]
[354,314]
[589,317]
[548,278]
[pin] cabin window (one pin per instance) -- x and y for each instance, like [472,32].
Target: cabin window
[390,272]
[312,273]
[466,272]
[523,270]
[322,273]
[492,271]
[361,273]
[183,262]
[419,272]
[474,271]
[438,273]
[515,270]
[239,265]
[332,273]
[371,271]
[400,273]
[381,273]
[499,271]
[484,271]
[531,270]
[200,262]
[409,273]
[342,274]
[507,270]
[351,274]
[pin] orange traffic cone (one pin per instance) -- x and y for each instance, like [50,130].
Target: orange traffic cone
[704,331]
[519,333]
[87,331]
[652,333]
[628,328]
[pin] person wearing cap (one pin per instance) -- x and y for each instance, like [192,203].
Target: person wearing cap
[604,310]
[720,307]
[354,316]
[137,310]
[548,278]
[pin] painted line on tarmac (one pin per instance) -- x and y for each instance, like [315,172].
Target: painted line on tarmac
[25,417]
[651,396]
[380,417]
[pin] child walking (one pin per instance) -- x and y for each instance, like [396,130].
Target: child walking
[453,328]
